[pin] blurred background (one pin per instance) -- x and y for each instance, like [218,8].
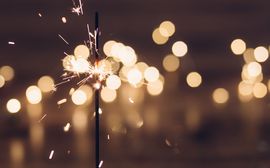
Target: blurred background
[194,89]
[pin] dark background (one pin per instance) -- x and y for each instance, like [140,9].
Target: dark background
[231,135]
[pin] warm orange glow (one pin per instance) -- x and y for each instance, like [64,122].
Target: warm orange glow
[245,88]
[13,106]
[171,63]
[249,55]
[179,49]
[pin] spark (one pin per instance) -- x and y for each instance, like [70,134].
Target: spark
[63,39]
[130,100]
[100,164]
[42,118]
[108,137]
[100,111]
[77,9]
[67,127]
[39,14]
[11,42]
[72,90]
[51,154]
[62,101]
[168,142]
[64,19]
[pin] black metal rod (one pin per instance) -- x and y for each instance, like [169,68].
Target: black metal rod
[97,148]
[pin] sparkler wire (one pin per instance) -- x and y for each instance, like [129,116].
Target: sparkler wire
[97,92]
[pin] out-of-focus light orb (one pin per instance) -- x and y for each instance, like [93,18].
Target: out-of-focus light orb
[117,50]
[259,90]
[13,106]
[79,97]
[88,91]
[194,79]
[167,28]
[81,65]
[155,88]
[254,69]
[7,72]
[82,51]
[245,88]
[108,95]
[141,66]
[261,54]
[268,85]
[249,55]
[158,38]
[134,76]
[179,48]
[107,48]
[238,46]
[128,57]
[220,95]
[46,84]
[33,94]
[113,82]
[171,63]
[66,62]
[2,81]
[151,74]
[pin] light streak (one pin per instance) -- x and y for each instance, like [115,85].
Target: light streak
[100,164]
[62,101]
[11,42]
[51,154]
[42,118]
[63,39]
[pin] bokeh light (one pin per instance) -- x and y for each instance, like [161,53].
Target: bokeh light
[79,97]
[259,90]
[2,81]
[7,72]
[33,94]
[46,84]
[254,69]
[113,82]
[194,79]
[249,55]
[245,88]
[82,51]
[151,74]
[107,48]
[155,88]
[108,95]
[167,28]
[220,95]
[13,106]
[171,63]
[134,76]
[158,38]
[238,46]
[261,54]
[179,48]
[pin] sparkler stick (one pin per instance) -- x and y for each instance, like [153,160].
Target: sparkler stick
[97,90]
